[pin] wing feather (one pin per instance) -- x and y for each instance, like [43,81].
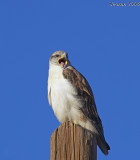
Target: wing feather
[85,94]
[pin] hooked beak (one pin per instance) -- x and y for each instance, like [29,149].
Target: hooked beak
[63,61]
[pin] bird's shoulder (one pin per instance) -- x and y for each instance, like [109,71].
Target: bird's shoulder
[77,80]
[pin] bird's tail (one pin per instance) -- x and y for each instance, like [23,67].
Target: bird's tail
[103,145]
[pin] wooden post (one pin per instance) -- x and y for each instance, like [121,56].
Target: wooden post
[72,142]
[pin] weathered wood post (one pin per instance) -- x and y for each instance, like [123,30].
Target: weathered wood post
[72,142]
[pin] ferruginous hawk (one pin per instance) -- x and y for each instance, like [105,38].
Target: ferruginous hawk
[71,97]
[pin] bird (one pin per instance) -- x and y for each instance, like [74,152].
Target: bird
[71,97]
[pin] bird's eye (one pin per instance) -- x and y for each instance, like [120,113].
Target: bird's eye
[56,55]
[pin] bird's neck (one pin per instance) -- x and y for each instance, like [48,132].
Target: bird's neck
[55,71]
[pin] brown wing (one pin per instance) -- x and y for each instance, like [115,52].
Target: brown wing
[85,94]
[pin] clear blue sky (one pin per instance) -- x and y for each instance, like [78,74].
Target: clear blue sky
[103,43]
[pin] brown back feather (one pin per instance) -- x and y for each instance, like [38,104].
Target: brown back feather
[84,92]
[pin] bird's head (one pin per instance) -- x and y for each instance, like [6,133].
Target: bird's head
[59,58]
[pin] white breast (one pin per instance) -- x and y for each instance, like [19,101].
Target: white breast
[61,95]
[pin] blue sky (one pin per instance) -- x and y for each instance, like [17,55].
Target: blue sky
[103,43]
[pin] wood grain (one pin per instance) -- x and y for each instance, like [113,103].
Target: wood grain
[72,142]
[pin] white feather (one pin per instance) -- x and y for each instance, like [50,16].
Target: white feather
[62,97]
